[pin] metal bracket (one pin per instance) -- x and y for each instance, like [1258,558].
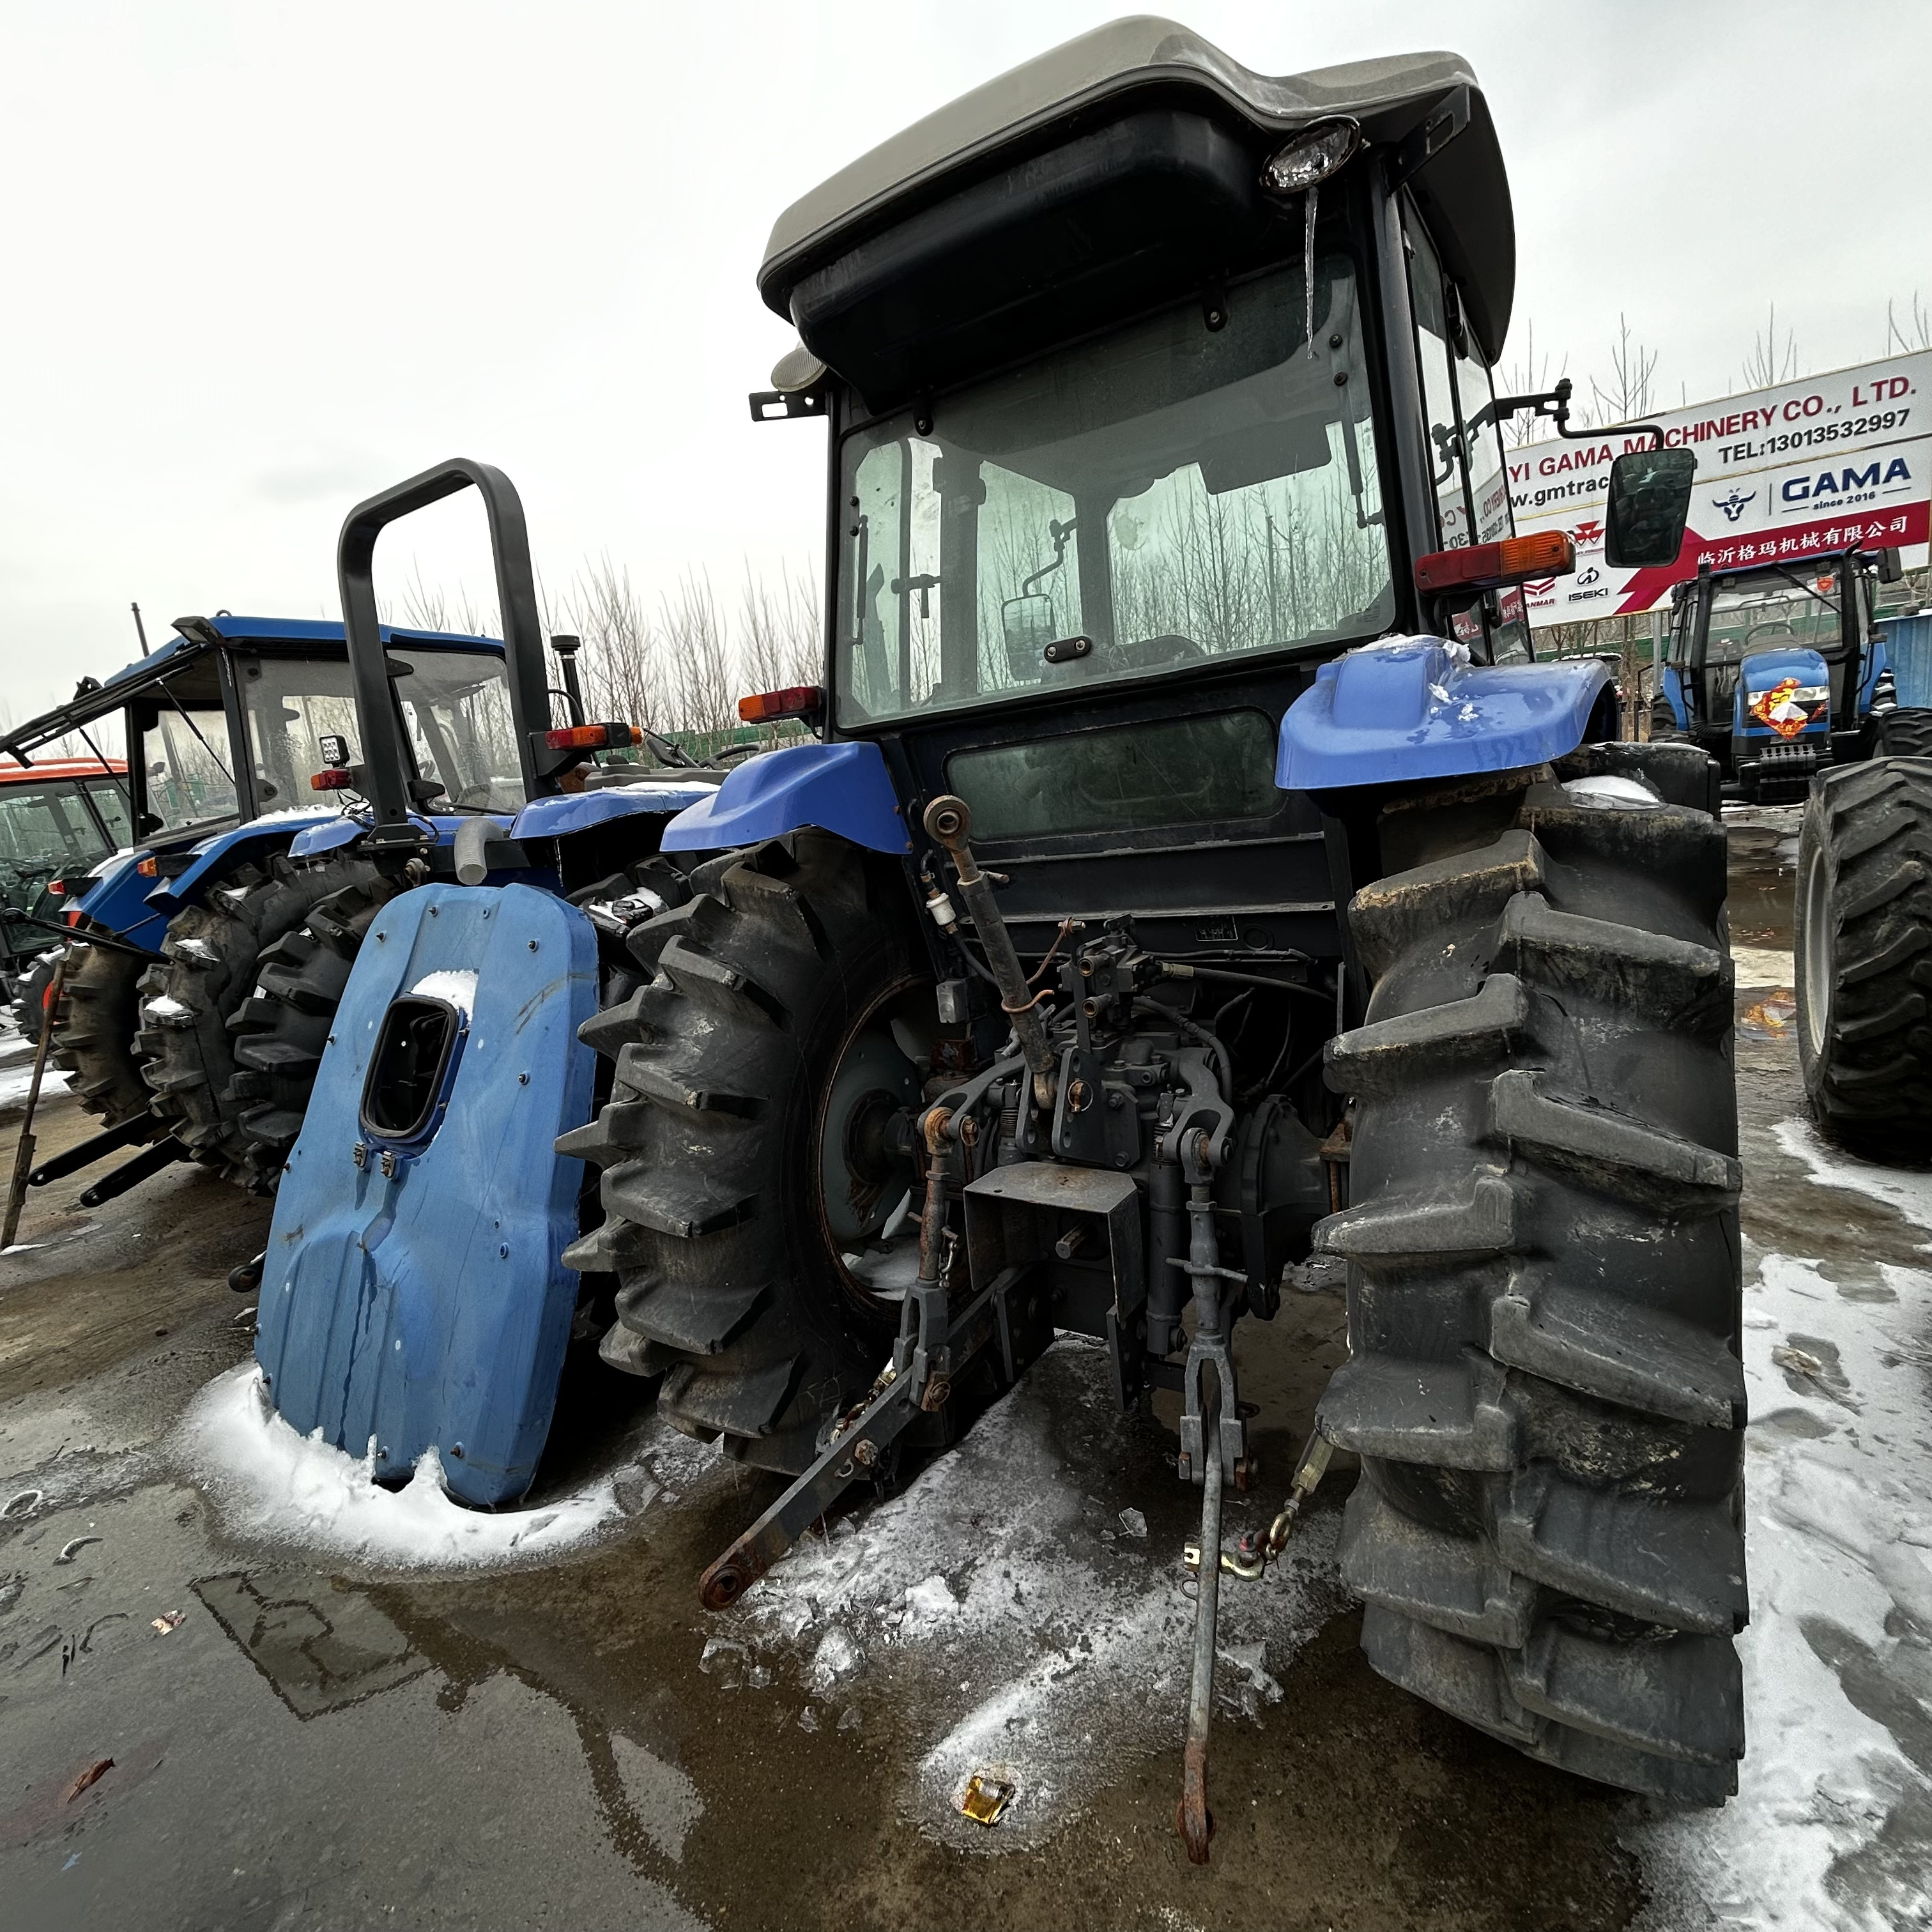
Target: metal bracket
[783,405]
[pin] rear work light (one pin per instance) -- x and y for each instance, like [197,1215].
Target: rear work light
[333,779]
[593,737]
[767,707]
[1488,566]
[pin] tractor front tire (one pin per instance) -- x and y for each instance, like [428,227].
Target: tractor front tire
[94,1027]
[209,974]
[729,1281]
[1544,1383]
[1863,956]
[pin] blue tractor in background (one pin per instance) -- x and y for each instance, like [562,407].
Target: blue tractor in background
[222,724]
[1779,670]
[1194,876]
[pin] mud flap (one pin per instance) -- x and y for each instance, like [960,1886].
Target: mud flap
[413,1294]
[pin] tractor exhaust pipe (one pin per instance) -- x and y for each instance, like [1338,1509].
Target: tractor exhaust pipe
[949,820]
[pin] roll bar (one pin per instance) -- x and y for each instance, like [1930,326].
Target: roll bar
[389,783]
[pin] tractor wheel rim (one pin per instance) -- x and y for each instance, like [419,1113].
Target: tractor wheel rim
[855,1202]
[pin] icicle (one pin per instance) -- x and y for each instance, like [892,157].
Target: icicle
[1308,260]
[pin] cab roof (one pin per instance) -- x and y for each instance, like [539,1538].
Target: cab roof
[194,638]
[1019,113]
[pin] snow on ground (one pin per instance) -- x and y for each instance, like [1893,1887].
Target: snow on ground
[1832,1824]
[17,1070]
[1050,1637]
[272,1485]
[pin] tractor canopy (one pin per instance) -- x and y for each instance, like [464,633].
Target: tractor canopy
[1114,172]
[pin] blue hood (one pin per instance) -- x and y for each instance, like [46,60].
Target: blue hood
[1763,671]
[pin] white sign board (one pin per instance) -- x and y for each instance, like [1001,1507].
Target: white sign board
[1811,466]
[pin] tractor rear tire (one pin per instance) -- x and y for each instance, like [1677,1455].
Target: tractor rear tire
[210,964]
[1905,733]
[95,1028]
[1544,1383]
[1863,956]
[1664,728]
[277,1033]
[730,1281]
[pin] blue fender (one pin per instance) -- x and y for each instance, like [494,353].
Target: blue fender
[341,828]
[429,1307]
[118,899]
[843,788]
[1673,696]
[1404,709]
[215,856]
[1763,671]
[577,812]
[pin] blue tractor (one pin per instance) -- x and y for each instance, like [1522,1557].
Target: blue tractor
[1194,875]
[433,1005]
[1778,670]
[222,723]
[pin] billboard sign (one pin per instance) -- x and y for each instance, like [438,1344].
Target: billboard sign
[1811,466]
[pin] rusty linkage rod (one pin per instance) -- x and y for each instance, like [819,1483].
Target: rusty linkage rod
[1192,1818]
[950,820]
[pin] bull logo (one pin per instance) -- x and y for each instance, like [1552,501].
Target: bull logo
[1733,505]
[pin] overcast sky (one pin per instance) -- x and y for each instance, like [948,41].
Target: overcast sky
[262,260]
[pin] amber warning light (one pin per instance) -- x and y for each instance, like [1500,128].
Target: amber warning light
[1489,566]
[592,737]
[796,700]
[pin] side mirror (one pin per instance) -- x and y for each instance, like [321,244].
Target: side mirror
[1891,567]
[1650,500]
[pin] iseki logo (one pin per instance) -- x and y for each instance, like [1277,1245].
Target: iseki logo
[1733,505]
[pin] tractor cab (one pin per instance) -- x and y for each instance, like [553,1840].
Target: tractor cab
[1774,669]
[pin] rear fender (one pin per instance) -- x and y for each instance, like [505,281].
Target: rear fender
[213,858]
[1406,708]
[416,1297]
[118,899]
[843,788]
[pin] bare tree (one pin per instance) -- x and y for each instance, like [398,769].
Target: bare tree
[1771,361]
[699,694]
[1916,333]
[621,654]
[779,643]
[427,607]
[1627,395]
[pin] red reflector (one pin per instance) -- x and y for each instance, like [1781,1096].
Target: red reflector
[797,700]
[57,887]
[593,737]
[1485,566]
[149,868]
[72,916]
[332,780]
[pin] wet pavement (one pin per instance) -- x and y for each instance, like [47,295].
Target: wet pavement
[301,1734]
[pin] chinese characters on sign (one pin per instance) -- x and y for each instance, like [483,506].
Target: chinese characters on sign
[1808,467]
